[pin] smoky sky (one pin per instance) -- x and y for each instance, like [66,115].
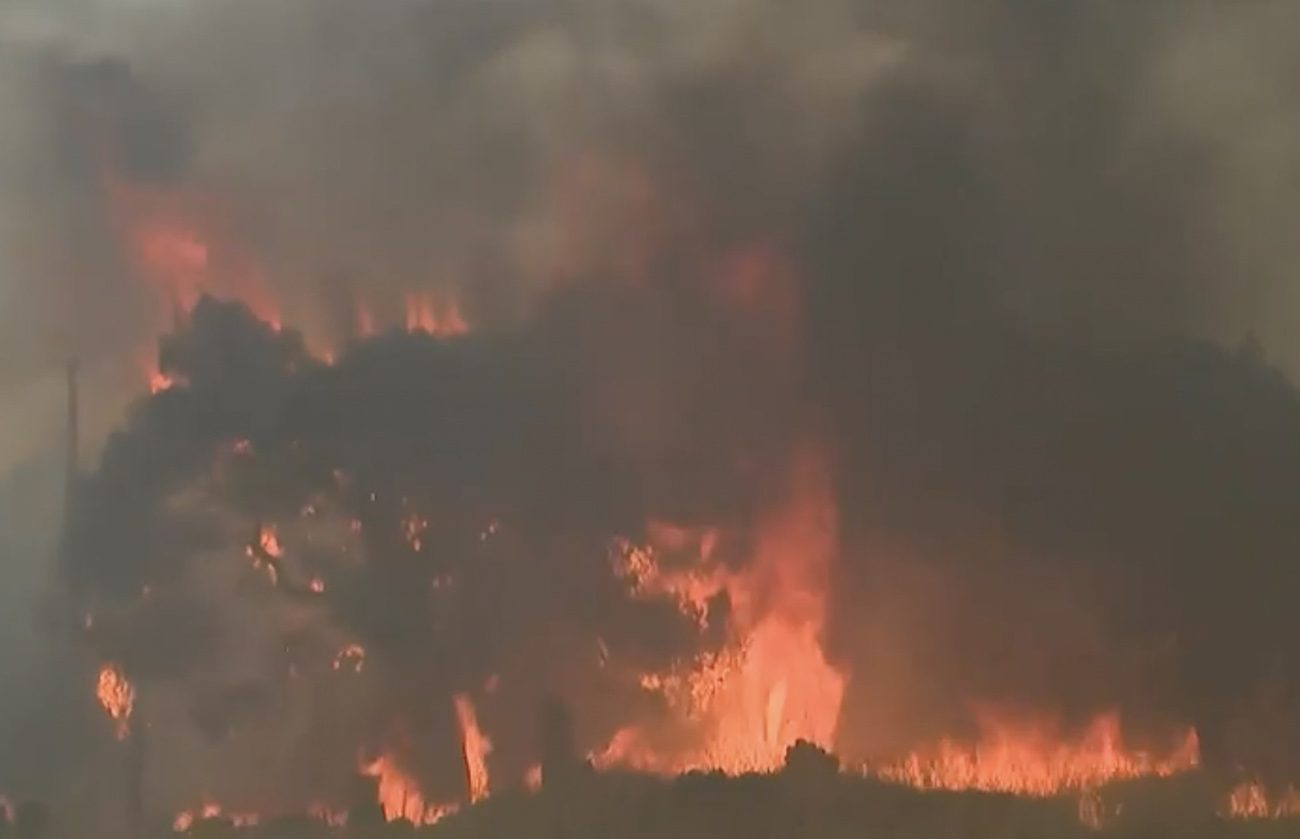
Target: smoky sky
[1006,231]
[1106,169]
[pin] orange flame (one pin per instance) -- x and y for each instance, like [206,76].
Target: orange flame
[774,686]
[440,317]
[268,545]
[414,527]
[211,810]
[171,238]
[1250,800]
[476,746]
[365,322]
[326,814]
[400,796]
[353,655]
[117,696]
[1033,759]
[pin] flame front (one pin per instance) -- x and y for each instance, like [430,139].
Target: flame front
[117,696]
[1028,759]
[774,685]
[1251,800]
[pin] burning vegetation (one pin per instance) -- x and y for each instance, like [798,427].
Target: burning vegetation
[390,568]
[692,486]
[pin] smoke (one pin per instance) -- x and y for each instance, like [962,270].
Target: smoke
[966,243]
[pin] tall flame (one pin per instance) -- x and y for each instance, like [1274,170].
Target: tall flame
[476,747]
[774,686]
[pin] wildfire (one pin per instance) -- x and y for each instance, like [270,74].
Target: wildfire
[117,696]
[210,810]
[439,316]
[771,685]
[158,382]
[413,528]
[266,552]
[326,814]
[1033,759]
[400,796]
[352,655]
[365,323]
[1250,800]
[774,686]
[476,747]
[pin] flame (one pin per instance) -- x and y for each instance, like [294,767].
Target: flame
[400,796]
[269,542]
[353,655]
[476,746]
[266,551]
[211,810]
[413,528]
[1028,758]
[1251,800]
[328,815]
[173,242]
[117,696]
[438,316]
[159,381]
[774,686]
[365,322]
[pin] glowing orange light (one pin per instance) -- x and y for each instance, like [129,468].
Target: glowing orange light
[117,696]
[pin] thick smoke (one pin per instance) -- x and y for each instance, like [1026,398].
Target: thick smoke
[970,244]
